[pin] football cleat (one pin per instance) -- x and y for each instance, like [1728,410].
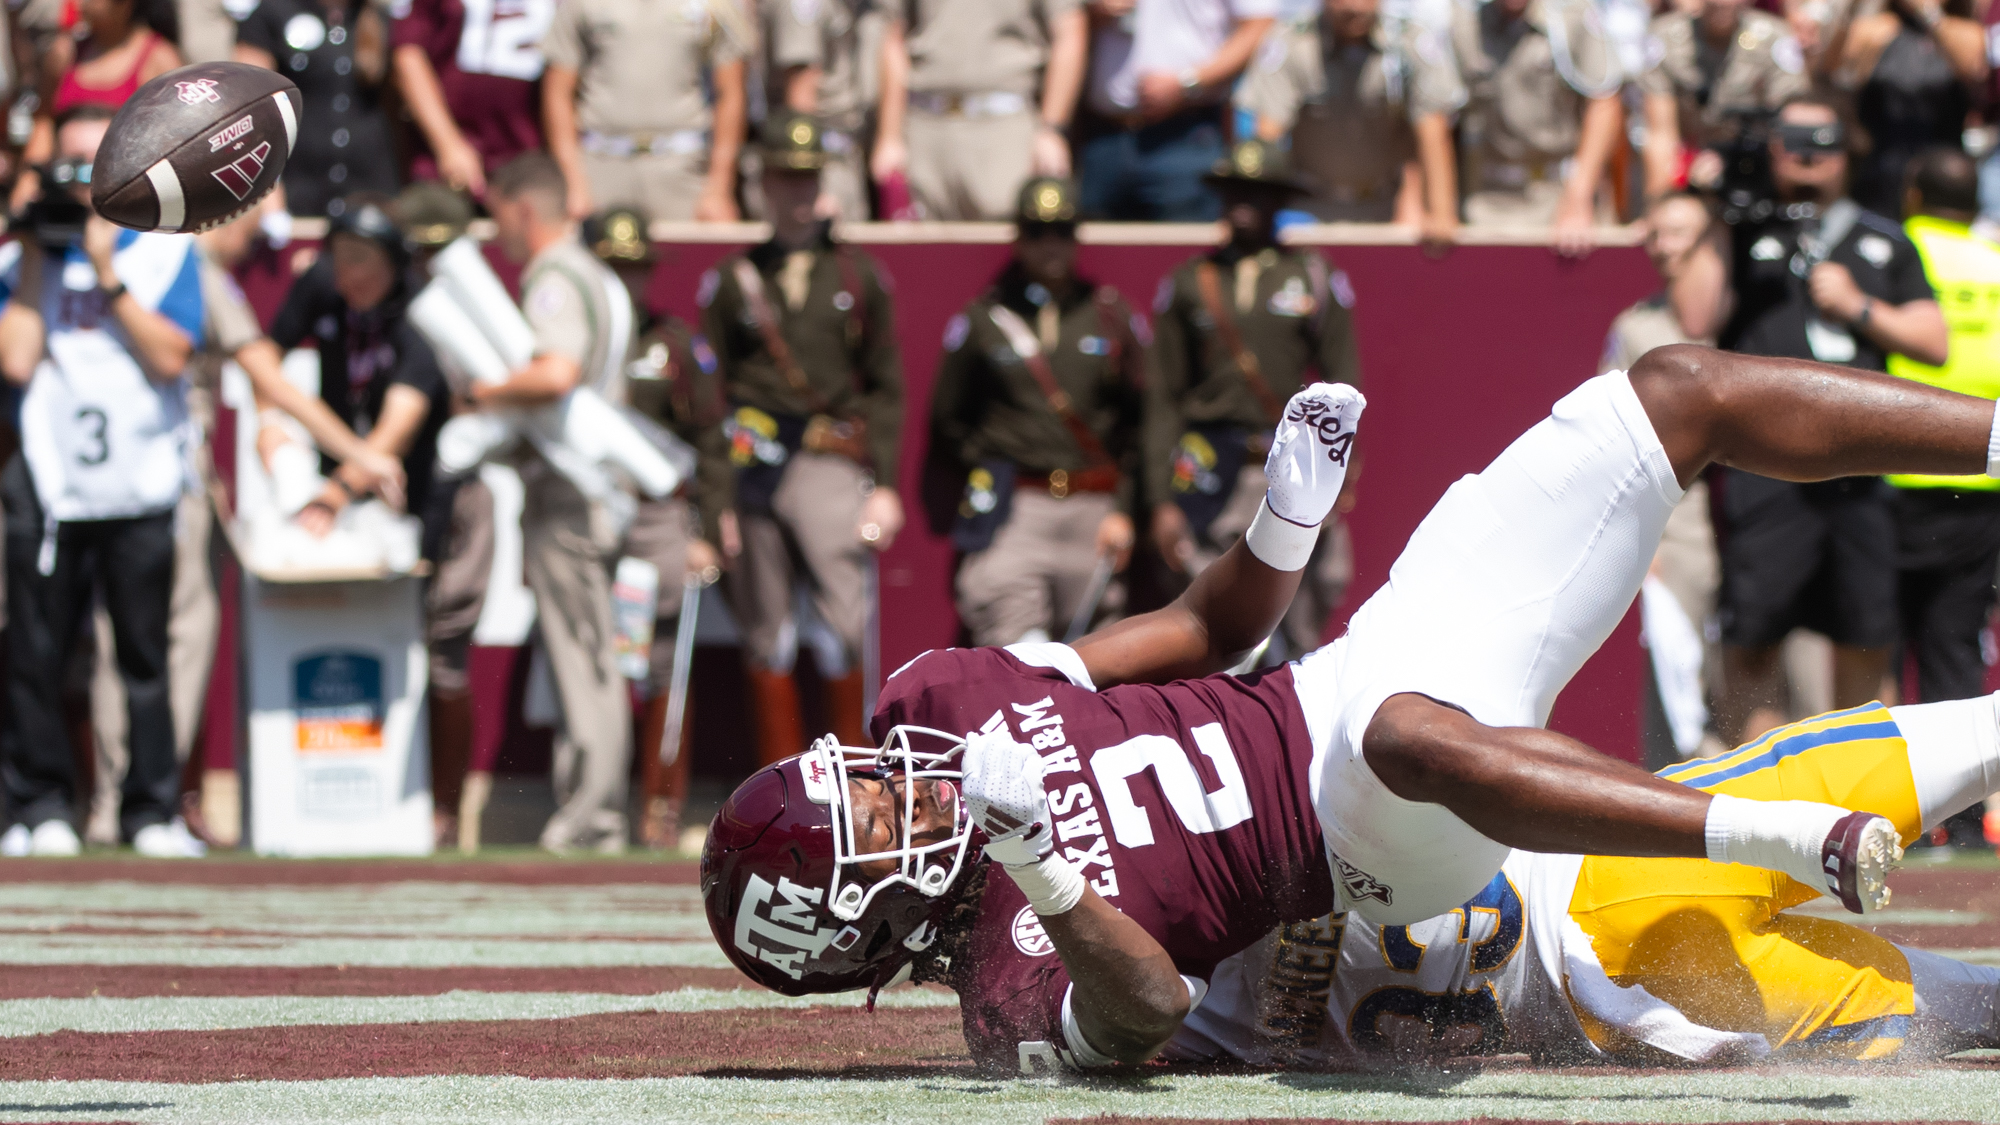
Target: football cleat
[1857,857]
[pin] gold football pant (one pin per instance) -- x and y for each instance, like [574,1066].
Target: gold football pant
[1715,941]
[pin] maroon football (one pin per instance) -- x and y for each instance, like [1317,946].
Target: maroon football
[195,147]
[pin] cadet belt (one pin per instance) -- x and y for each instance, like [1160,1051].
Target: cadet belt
[1513,175]
[1061,483]
[996,104]
[683,143]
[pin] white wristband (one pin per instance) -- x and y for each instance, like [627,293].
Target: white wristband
[1053,886]
[1993,445]
[1280,543]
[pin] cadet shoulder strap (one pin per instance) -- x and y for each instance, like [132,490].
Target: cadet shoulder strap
[1022,340]
[752,285]
[1208,279]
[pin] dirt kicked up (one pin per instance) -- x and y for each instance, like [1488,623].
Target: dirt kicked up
[241,990]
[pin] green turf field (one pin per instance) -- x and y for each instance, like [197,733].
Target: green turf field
[519,989]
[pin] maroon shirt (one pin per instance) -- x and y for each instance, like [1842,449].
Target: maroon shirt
[488,59]
[1186,806]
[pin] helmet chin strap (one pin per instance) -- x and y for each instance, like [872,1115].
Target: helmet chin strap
[889,979]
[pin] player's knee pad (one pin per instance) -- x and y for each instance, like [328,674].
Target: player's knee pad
[1397,861]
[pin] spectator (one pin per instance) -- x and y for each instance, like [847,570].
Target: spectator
[824,58]
[624,108]
[1367,108]
[98,328]
[580,340]
[1685,244]
[804,332]
[382,394]
[674,381]
[1038,401]
[1239,330]
[337,52]
[469,76]
[1720,64]
[1159,88]
[193,619]
[378,378]
[1948,528]
[116,46]
[1821,279]
[961,115]
[1913,67]
[1533,144]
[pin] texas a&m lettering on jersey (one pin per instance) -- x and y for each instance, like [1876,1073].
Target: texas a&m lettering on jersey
[1185,805]
[1079,830]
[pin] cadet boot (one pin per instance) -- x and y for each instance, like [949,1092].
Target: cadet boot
[843,706]
[664,788]
[451,749]
[775,696]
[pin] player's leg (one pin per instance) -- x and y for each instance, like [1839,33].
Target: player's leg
[1704,940]
[1797,420]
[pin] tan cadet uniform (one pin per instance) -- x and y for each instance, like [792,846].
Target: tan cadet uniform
[1349,110]
[1522,121]
[806,341]
[1235,335]
[567,547]
[644,119]
[843,39]
[194,613]
[1762,66]
[672,379]
[1039,399]
[975,79]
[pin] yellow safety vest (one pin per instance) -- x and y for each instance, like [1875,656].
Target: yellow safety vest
[1965,270]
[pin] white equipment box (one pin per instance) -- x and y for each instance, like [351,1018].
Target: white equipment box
[339,747]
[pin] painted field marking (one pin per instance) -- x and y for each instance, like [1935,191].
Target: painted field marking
[216,1013]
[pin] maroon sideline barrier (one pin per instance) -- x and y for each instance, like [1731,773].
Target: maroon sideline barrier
[1460,355]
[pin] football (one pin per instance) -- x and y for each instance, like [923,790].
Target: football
[195,147]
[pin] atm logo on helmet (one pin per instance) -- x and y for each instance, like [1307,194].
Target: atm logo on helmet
[786,935]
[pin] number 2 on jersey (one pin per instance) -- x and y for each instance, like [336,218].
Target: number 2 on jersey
[1199,811]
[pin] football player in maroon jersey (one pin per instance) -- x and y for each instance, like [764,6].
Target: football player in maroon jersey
[1151,823]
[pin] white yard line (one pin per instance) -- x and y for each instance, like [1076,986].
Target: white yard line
[217,1013]
[1714,1096]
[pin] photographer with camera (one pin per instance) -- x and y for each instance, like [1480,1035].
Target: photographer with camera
[1815,277]
[98,328]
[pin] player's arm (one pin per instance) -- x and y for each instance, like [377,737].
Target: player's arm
[1126,996]
[1233,605]
[458,162]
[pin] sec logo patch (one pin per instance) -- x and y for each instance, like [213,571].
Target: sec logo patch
[1029,937]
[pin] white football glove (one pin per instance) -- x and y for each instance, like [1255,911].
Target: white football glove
[1003,776]
[1308,459]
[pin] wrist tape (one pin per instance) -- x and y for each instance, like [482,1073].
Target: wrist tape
[1277,541]
[1053,885]
[1993,445]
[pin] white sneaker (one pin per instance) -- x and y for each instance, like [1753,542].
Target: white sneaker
[14,842]
[171,840]
[54,837]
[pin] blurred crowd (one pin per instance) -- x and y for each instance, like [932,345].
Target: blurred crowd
[1809,178]
[1539,114]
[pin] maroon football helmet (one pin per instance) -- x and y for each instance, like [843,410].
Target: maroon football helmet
[778,878]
